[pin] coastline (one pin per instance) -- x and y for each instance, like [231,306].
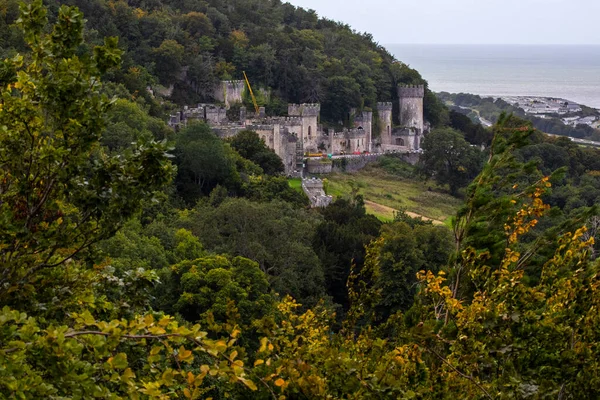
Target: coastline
[561,71]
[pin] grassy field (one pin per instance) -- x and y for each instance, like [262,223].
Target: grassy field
[296,184]
[384,193]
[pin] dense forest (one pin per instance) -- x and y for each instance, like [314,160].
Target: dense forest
[189,46]
[139,262]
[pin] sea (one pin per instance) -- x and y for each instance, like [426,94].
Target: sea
[571,72]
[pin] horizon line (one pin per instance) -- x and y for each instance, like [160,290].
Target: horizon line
[491,44]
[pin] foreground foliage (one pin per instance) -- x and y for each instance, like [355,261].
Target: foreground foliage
[506,313]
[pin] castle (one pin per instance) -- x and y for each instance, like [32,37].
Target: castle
[299,133]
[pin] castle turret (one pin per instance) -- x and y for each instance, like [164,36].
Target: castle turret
[229,92]
[384,111]
[411,106]
[364,121]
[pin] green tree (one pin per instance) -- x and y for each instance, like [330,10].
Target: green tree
[449,159]
[474,133]
[340,241]
[169,58]
[343,93]
[128,123]
[207,289]
[60,193]
[197,24]
[270,188]
[203,161]
[274,234]
[405,251]
[250,146]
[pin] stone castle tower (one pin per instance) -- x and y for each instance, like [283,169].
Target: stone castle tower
[364,121]
[411,106]
[384,111]
[229,92]
[309,114]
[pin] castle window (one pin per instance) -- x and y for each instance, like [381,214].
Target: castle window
[388,130]
[309,131]
[399,142]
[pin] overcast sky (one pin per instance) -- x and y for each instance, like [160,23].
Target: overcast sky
[467,21]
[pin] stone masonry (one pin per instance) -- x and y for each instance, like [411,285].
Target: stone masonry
[299,134]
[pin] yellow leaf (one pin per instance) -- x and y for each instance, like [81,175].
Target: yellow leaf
[279,382]
[233,355]
[221,346]
[148,320]
[263,345]
[157,330]
[128,374]
[187,394]
[190,378]
[251,385]
[185,355]
[258,362]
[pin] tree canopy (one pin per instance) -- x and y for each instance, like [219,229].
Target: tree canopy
[112,287]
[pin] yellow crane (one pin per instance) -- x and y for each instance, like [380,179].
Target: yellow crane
[256,108]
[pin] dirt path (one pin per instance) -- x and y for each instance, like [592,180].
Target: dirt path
[380,208]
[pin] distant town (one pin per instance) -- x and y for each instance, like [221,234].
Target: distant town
[549,107]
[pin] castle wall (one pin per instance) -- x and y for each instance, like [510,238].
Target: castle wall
[227,131]
[353,164]
[404,138]
[266,133]
[229,92]
[319,166]
[215,115]
[314,190]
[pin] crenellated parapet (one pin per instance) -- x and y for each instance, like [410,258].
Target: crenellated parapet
[259,127]
[304,110]
[229,92]
[285,121]
[387,106]
[411,91]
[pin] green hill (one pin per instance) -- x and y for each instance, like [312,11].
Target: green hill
[189,46]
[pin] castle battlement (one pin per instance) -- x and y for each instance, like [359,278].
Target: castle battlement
[229,125]
[364,116]
[305,109]
[411,91]
[384,106]
[350,134]
[287,121]
[263,127]
[233,82]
